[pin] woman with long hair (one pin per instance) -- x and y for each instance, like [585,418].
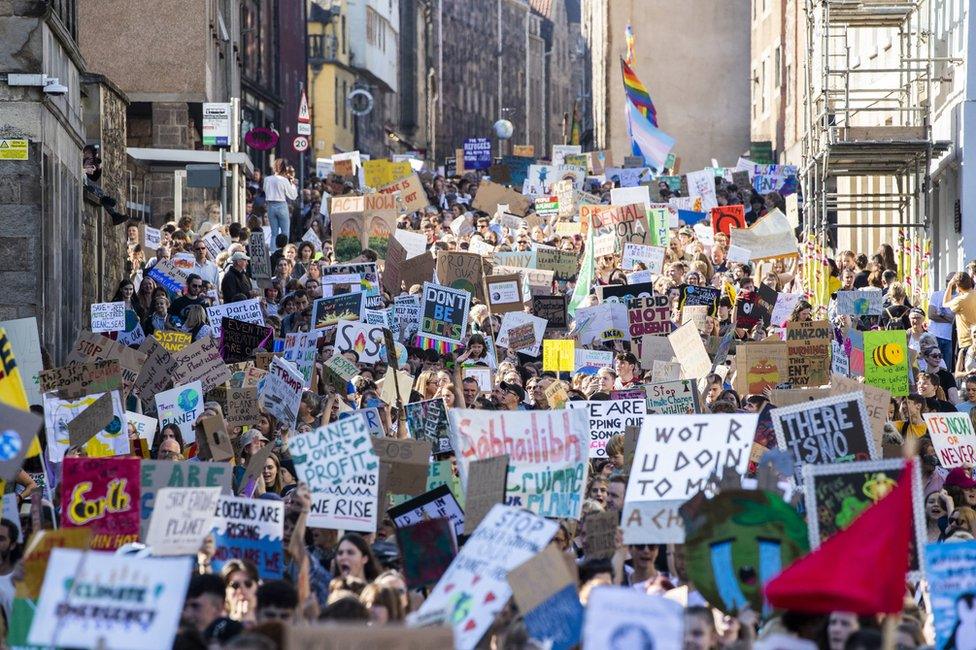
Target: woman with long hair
[158,319]
[279,188]
[124,292]
[142,302]
[355,558]
[196,323]
[240,590]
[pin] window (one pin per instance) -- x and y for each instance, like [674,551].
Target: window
[762,89]
[345,108]
[336,99]
[789,85]
[776,69]
[343,34]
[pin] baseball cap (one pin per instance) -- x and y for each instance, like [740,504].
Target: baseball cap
[251,435]
[239,256]
[960,478]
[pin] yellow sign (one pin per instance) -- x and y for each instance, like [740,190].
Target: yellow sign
[525,150]
[13,150]
[377,173]
[558,355]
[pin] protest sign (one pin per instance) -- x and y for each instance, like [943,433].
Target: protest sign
[251,530]
[486,487]
[953,437]
[604,322]
[547,454]
[427,548]
[462,271]
[479,572]
[521,259]
[563,264]
[760,366]
[365,340]
[350,505]
[79,379]
[260,264]
[588,362]
[330,310]
[445,313]
[109,601]
[181,406]
[652,257]
[490,195]
[649,315]
[783,309]
[172,341]
[102,495]
[181,518]
[835,495]
[728,217]
[675,457]
[830,430]
[769,237]
[168,275]
[281,391]
[156,474]
[156,373]
[330,454]
[403,466]
[107,317]
[16,435]
[200,361]
[437,503]
[876,402]
[25,344]
[38,551]
[248,311]
[600,530]
[504,293]
[808,345]
[694,359]
[301,349]
[558,355]
[886,360]
[552,309]
[241,339]
[867,302]
[111,440]
[609,417]
[411,193]
[338,636]
[521,340]
[97,416]
[692,295]
[141,425]
[545,592]
[616,617]
[950,570]
[624,293]
[653,348]
[673,397]
[427,419]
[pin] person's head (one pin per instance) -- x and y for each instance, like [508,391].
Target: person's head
[840,626]
[200,251]
[932,355]
[9,548]
[204,600]
[194,284]
[700,631]
[802,312]
[964,281]
[277,601]
[643,555]
[511,395]
[615,451]
[713,388]
[470,390]
[935,507]
[616,490]
[195,316]
[240,586]
[240,260]
[927,384]
[355,558]
[598,490]
[383,604]
[961,486]
[606,378]
[272,474]
[625,364]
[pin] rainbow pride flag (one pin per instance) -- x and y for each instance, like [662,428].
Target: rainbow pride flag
[637,93]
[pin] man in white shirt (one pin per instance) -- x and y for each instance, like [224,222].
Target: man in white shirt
[202,266]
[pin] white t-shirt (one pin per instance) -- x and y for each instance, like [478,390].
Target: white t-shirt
[279,188]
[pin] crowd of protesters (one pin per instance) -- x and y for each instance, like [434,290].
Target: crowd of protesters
[331,576]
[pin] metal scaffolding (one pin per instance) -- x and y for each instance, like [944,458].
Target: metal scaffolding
[867,116]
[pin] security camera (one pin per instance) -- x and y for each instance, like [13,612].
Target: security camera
[55,88]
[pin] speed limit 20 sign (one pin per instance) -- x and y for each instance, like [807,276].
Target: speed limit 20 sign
[300,143]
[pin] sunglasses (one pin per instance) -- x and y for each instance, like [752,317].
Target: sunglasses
[237,584]
[643,547]
[200,249]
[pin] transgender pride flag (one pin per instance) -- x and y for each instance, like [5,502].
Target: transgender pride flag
[648,140]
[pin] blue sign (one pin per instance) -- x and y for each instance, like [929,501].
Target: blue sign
[477,153]
[558,619]
[951,572]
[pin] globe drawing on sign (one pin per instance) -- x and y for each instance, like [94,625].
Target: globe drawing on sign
[114,428]
[188,399]
[862,306]
[464,284]
[10,444]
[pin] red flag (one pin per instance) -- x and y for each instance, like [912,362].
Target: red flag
[861,569]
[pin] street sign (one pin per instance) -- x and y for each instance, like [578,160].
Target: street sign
[304,118]
[216,124]
[13,149]
[300,143]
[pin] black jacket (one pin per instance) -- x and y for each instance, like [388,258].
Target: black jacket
[234,285]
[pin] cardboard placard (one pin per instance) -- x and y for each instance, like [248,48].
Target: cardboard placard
[694,359]
[241,339]
[608,417]
[200,361]
[876,401]
[344,637]
[540,577]
[649,315]
[102,495]
[18,432]
[79,379]
[333,453]
[445,313]
[953,437]
[181,518]
[427,548]
[760,366]
[886,360]
[250,529]
[486,487]
[830,430]
[552,309]
[504,293]
[490,195]
[403,465]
